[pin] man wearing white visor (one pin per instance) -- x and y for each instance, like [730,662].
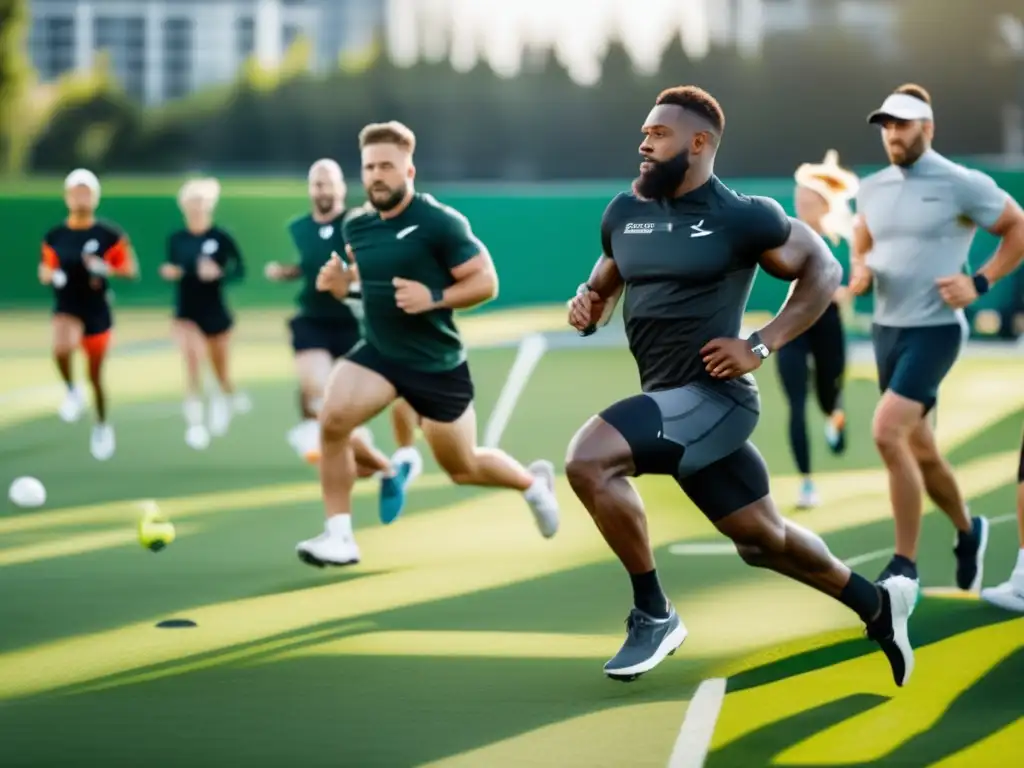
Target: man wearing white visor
[915,223]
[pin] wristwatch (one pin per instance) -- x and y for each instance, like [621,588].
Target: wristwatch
[981,284]
[757,346]
[437,295]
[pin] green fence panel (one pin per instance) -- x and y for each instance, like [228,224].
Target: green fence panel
[543,238]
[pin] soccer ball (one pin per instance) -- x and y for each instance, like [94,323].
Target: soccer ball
[27,492]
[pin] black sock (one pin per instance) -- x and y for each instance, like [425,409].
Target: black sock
[647,594]
[903,566]
[863,597]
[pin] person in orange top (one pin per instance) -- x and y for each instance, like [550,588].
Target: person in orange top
[78,257]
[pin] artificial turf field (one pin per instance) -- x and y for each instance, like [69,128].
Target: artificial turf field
[463,639]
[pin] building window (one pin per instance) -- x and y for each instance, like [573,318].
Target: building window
[52,45]
[245,36]
[178,44]
[124,39]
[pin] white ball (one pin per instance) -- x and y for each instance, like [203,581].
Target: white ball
[27,492]
[58,278]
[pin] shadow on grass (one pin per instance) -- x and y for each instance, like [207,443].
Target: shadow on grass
[934,620]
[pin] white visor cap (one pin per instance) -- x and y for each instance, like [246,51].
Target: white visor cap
[901,106]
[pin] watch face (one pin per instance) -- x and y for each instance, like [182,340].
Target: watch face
[761,351]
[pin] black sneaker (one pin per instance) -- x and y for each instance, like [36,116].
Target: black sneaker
[889,630]
[969,549]
[897,566]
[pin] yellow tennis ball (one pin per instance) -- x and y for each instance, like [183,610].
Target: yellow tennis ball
[155,531]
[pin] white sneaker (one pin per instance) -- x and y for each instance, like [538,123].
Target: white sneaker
[1009,595]
[241,403]
[541,497]
[808,498]
[74,404]
[328,549]
[197,437]
[304,438]
[220,416]
[409,455]
[102,443]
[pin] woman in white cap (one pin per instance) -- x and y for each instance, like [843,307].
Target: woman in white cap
[201,258]
[78,257]
[823,194]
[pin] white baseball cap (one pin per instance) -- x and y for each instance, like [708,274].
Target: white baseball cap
[901,106]
[83,177]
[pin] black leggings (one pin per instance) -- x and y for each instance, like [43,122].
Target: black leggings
[1020,469]
[825,342]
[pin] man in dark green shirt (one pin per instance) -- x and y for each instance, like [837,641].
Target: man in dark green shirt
[325,329]
[416,261]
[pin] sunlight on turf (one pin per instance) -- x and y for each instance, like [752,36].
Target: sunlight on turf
[495,645]
[607,739]
[944,670]
[497,545]
[191,506]
[990,751]
[77,544]
[726,620]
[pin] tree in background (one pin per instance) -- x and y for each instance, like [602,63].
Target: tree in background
[15,77]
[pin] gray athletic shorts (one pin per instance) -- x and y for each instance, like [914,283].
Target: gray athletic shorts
[700,435]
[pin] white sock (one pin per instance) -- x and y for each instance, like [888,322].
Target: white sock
[1020,561]
[340,525]
[406,454]
[194,411]
[538,489]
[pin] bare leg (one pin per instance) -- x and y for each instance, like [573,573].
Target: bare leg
[456,451]
[895,419]
[313,368]
[189,339]
[354,395]
[939,481]
[219,348]
[765,539]
[404,421]
[67,336]
[598,465]
[454,446]
[96,353]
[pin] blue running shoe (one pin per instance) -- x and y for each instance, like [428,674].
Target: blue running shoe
[392,493]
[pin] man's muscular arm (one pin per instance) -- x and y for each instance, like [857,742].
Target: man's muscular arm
[594,302]
[807,260]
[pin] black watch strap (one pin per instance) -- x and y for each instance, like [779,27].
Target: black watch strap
[981,284]
[437,295]
[758,347]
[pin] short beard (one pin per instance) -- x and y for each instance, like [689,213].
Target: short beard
[391,201]
[913,153]
[324,207]
[661,181]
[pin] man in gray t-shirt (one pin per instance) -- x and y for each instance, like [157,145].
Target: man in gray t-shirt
[916,220]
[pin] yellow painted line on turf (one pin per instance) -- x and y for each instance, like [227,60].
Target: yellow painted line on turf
[446,644]
[486,542]
[76,544]
[944,670]
[990,751]
[595,740]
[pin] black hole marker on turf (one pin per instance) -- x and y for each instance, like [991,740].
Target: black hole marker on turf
[176,623]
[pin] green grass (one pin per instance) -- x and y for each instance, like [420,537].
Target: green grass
[463,638]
